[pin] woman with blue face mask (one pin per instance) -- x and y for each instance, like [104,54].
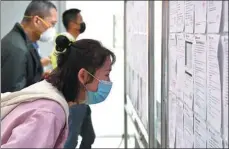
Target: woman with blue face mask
[42,109]
[91,64]
[89,83]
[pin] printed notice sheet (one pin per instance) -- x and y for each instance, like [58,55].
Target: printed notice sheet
[179,125]
[214,139]
[180,16]
[189,16]
[200,132]
[224,41]
[172,16]
[188,79]
[225,18]
[200,62]
[214,10]
[213,82]
[172,119]
[180,67]
[172,61]
[201,18]
[188,90]
[188,128]
[189,38]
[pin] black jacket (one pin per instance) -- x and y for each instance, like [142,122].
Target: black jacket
[20,61]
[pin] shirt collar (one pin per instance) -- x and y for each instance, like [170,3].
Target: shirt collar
[36,46]
[70,37]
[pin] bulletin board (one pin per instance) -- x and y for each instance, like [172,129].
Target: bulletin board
[198,74]
[136,62]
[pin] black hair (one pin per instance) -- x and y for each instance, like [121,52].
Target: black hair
[39,8]
[69,15]
[72,56]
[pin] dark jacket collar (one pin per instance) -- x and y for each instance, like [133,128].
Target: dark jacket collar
[18,28]
[29,44]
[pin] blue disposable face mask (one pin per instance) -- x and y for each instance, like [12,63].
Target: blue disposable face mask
[104,88]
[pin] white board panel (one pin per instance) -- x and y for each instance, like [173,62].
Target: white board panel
[202,87]
[137,56]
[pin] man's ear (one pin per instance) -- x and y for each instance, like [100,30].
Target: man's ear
[74,24]
[71,23]
[36,20]
[83,76]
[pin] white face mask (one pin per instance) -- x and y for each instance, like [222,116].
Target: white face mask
[48,35]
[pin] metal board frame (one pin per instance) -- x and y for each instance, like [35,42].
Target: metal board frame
[154,143]
[151,70]
[165,76]
[151,101]
[125,100]
[141,137]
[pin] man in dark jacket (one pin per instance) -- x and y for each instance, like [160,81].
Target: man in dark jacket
[20,61]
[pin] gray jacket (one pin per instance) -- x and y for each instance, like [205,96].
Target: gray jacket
[20,61]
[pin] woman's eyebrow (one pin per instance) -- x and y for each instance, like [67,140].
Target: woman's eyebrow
[109,69]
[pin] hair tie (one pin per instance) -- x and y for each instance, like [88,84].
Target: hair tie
[69,45]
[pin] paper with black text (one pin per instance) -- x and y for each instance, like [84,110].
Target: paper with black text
[172,119]
[188,90]
[188,80]
[200,132]
[172,61]
[224,41]
[180,64]
[180,16]
[188,128]
[200,86]
[225,18]
[200,16]
[189,51]
[172,16]
[213,82]
[214,138]
[214,10]
[179,124]
[189,16]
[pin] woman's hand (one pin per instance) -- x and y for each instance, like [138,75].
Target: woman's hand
[45,61]
[46,73]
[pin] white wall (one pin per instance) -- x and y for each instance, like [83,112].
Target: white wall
[98,16]
[13,11]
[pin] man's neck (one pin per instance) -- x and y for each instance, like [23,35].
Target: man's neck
[73,33]
[27,29]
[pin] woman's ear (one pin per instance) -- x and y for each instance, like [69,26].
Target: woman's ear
[83,76]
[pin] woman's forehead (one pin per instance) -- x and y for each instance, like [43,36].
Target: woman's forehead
[107,63]
[106,66]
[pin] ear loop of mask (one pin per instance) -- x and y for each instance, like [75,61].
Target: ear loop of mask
[92,75]
[42,20]
[105,82]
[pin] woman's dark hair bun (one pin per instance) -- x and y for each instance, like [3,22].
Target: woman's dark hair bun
[62,42]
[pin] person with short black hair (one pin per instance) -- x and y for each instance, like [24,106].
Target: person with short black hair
[73,22]
[37,116]
[20,61]
[74,25]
